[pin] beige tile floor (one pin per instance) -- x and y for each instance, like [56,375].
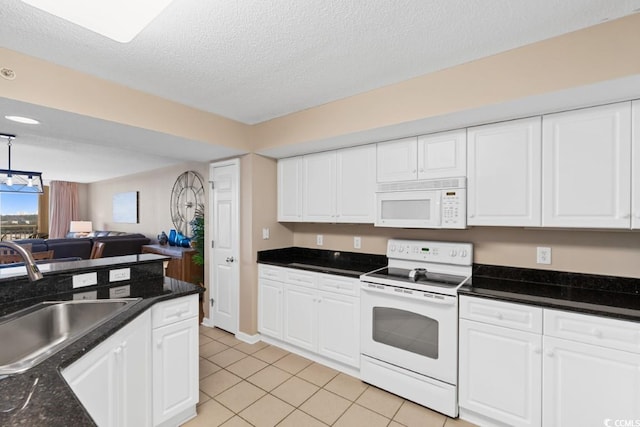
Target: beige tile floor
[262,385]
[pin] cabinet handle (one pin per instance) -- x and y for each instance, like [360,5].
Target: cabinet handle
[118,350]
[596,333]
[627,215]
[159,343]
[537,349]
[414,171]
[472,216]
[421,169]
[499,316]
[550,353]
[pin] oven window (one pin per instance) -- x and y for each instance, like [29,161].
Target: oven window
[406,330]
[406,209]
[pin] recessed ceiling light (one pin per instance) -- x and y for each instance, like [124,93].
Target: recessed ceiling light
[25,120]
[120,20]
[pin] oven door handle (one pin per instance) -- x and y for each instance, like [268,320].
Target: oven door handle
[427,297]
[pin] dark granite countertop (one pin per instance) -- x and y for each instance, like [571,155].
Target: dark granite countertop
[40,396]
[609,296]
[349,264]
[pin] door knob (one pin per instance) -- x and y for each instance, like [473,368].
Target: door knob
[230,259]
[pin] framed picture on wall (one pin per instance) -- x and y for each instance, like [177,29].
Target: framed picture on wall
[125,207]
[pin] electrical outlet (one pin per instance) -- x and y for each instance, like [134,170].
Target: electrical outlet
[86,279]
[319,240]
[543,255]
[119,274]
[357,242]
[265,234]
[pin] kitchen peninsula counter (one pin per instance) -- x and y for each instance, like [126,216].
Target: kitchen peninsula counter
[40,396]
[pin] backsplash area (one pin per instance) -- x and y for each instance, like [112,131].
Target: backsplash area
[615,253]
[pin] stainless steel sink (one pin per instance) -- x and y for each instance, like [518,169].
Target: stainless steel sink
[31,335]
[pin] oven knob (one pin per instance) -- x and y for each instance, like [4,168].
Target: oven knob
[453,252]
[392,248]
[401,249]
[463,253]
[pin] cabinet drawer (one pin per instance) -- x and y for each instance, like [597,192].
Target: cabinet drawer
[602,331]
[271,272]
[500,313]
[340,285]
[168,312]
[301,278]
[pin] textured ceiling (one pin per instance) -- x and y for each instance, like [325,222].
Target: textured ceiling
[254,60]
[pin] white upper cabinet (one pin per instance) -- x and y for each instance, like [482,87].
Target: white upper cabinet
[439,155]
[332,186]
[442,155]
[587,168]
[319,187]
[635,166]
[397,160]
[503,181]
[290,189]
[356,184]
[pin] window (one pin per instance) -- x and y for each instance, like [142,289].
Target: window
[18,215]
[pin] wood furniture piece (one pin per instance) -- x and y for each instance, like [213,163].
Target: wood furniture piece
[181,265]
[13,258]
[96,250]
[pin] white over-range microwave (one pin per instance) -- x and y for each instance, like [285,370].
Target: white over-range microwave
[438,203]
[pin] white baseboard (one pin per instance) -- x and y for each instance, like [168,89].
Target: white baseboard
[207,322]
[251,339]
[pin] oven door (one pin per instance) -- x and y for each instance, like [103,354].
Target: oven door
[412,209]
[410,329]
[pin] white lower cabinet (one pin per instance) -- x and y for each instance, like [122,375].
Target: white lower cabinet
[317,312]
[500,361]
[113,381]
[175,360]
[579,370]
[146,373]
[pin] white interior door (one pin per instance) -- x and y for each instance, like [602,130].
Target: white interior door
[224,280]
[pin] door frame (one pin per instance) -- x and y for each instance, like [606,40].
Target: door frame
[236,239]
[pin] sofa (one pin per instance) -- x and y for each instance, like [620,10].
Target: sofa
[80,247]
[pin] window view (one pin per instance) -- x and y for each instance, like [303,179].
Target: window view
[18,215]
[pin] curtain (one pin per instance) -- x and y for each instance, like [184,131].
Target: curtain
[63,207]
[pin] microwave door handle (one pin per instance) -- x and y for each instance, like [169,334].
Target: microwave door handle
[437,212]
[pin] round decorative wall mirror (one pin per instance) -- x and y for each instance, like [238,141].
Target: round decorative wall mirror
[187,194]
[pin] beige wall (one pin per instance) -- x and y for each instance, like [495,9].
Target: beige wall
[43,83]
[603,52]
[598,252]
[258,211]
[154,189]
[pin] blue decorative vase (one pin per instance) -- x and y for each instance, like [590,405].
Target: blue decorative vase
[173,235]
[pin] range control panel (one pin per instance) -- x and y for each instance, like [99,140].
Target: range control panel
[437,252]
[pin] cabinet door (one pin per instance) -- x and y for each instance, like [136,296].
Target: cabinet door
[132,358]
[503,186]
[356,184]
[270,308]
[339,328]
[586,167]
[500,373]
[635,165]
[442,155]
[175,369]
[319,187]
[587,384]
[290,189]
[113,381]
[300,314]
[397,160]
[94,380]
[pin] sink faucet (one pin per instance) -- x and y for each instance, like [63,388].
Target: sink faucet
[33,271]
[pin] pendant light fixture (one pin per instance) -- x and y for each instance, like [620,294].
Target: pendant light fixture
[13,181]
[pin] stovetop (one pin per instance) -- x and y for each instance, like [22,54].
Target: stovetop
[417,276]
